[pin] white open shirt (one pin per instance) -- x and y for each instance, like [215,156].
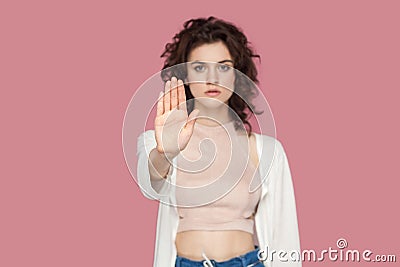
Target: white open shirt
[275,220]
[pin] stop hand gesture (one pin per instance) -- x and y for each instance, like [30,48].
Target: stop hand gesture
[173,127]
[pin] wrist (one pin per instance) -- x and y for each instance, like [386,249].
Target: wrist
[167,155]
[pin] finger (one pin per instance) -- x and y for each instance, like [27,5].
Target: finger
[167,102]
[181,96]
[174,93]
[160,104]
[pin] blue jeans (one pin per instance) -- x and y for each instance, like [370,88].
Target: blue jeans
[250,259]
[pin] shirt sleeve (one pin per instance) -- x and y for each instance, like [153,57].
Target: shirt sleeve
[150,189]
[285,233]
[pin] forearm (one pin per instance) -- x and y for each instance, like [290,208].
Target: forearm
[158,165]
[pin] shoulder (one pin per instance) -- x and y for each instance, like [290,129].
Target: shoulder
[146,140]
[147,135]
[263,140]
[269,144]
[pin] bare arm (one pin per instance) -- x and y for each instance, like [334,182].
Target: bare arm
[158,165]
[173,129]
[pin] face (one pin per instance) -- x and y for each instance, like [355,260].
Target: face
[211,75]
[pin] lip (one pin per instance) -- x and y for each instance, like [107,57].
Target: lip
[213,92]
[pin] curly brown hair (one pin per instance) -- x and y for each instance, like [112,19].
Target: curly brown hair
[201,31]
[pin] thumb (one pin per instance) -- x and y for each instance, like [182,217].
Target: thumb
[192,119]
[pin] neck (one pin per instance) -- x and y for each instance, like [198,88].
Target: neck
[212,116]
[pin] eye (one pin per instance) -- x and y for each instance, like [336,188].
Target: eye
[200,68]
[223,67]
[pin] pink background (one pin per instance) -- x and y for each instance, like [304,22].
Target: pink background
[330,70]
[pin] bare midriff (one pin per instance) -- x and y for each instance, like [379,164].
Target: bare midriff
[217,245]
[222,228]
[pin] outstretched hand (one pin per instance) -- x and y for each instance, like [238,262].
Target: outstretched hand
[173,127]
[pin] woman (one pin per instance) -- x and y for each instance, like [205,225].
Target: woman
[211,217]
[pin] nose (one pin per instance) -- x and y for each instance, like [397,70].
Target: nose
[212,75]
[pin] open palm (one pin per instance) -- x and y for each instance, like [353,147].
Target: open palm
[173,127]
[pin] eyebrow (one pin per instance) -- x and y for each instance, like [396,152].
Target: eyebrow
[202,62]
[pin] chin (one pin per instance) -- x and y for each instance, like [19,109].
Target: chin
[212,103]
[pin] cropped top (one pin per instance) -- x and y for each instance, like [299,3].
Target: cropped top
[217,184]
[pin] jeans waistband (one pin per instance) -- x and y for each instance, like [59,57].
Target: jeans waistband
[249,259]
